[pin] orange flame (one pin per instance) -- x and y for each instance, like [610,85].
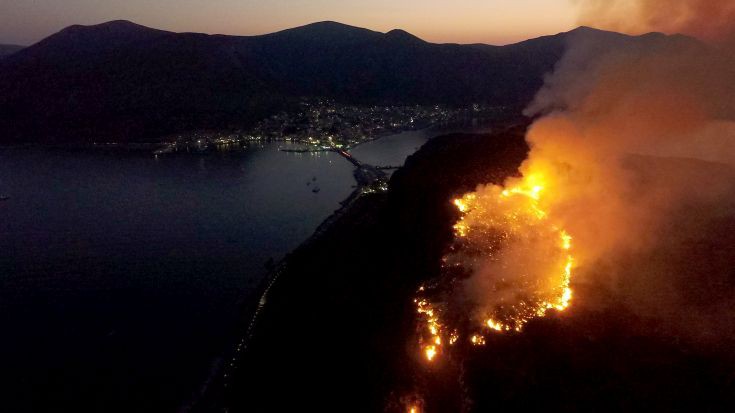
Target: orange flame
[509,225]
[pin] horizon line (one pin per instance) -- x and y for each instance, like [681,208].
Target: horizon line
[302,26]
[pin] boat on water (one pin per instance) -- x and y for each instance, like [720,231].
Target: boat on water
[316,189]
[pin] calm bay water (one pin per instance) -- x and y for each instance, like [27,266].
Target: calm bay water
[391,150]
[121,274]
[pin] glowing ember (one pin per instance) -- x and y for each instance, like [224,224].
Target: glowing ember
[477,340]
[453,337]
[430,352]
[433,328]
[462,204]
[494,325]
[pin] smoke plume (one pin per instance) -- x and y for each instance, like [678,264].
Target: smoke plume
[633,156]
[705,19]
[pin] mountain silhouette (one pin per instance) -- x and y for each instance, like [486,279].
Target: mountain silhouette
[120,81]
[8,49]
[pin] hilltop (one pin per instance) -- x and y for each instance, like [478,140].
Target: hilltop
[120,81]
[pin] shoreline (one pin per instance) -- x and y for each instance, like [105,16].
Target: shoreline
[211,394]
[256,298]
[218,388]
[219,381]
[155,145]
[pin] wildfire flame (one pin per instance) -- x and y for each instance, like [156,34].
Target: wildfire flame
[433,328]
[522,258]
[515,215]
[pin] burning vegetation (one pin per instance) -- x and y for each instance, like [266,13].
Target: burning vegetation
[520,262]
[631,173]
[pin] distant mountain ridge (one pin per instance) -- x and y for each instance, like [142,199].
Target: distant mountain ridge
[126,82]
[8,49]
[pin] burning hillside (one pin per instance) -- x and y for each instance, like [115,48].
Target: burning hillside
[520,263]
[630,173]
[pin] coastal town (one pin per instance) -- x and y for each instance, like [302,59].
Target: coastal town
[324,124]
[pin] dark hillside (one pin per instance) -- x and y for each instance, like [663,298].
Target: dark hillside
[333,332]
[122,82]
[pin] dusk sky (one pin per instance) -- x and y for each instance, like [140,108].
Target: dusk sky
[462,21]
